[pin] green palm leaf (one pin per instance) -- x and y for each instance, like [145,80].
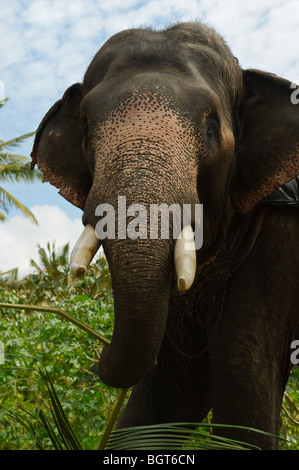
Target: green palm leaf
[16,141]
[51,259]
[59,429]
[12,157]
[12,274]
[2,102]
[175,436]
[7,199]
[15,168]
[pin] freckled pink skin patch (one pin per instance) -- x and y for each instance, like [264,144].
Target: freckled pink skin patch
[246,201]
[66,189]
[148,150]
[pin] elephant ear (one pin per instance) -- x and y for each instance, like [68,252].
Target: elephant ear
[268,150]
[57,149]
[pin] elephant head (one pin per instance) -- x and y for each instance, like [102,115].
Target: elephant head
[167,118]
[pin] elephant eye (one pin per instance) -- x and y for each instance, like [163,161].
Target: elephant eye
[212,129]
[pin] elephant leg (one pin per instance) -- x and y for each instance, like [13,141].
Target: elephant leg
[174,391]
[251,348]
[249,382]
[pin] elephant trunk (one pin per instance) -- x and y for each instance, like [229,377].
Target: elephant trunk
[141,278]
[141,274]
[145,155]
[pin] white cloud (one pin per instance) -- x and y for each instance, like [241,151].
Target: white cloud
[19,238]
[46,45]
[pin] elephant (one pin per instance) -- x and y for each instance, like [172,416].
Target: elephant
[169,117]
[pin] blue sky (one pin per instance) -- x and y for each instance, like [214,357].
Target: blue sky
[46,45]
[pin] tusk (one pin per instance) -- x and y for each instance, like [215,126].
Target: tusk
[84,250]
[185,259]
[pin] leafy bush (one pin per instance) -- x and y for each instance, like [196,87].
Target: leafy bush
[290,413]
[33,339]
[53,282]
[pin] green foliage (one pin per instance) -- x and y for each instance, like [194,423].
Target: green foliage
[12,274]
[15,168]
[290,413]
[33,339]
[55,424]
[41,349]
[2,102]
[53,282]
[70,355]
[61,434]
[51,260]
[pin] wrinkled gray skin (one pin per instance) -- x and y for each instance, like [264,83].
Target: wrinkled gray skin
[170,117]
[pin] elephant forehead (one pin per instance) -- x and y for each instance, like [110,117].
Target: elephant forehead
[149,121]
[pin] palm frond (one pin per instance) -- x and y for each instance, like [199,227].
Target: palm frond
[3,217]
[66,432]
[65,252]
[174,436]
[12,274]
[26,420]
[12,157]
[16,141]
[10,200]
[43,257]
[34,265]
[58,429]
[111,423]
[15,168]
[2,102]
[18,172]
[52,258]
